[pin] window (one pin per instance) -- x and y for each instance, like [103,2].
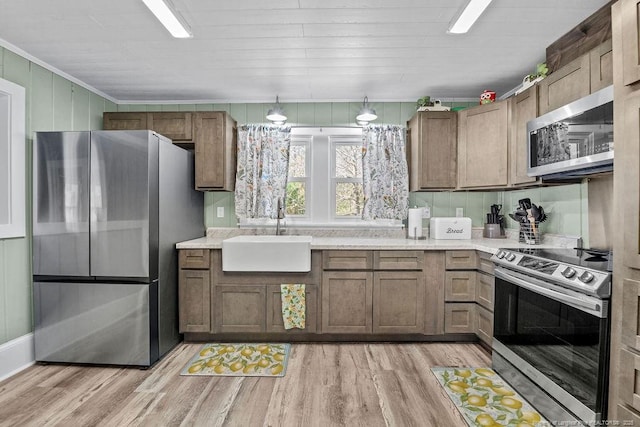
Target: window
[325,176]
[12,160]
[298,178]
[346,190]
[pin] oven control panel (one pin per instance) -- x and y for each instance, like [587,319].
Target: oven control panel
[591,282]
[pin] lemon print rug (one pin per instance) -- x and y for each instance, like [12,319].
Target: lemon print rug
[485,399]
[252,360]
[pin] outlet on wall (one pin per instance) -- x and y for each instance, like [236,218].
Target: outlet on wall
[459,212]
[220,212]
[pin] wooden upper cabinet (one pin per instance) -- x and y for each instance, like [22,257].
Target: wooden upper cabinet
[432,152]
[630,36]
[124,121]
[630,164]
[483,145]
[601,66]
[215,150]
[176,126]
[569,83]
[524,107]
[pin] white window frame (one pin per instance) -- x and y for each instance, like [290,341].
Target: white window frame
[304,141]
[12,143]
[334,143]
[320,193]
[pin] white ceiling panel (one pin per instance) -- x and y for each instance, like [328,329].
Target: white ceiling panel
[302,50]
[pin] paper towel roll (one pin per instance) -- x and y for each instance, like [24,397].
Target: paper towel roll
[415,222]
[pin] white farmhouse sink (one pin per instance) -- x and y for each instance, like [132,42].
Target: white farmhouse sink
[267,253]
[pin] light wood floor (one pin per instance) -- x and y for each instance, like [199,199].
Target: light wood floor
[325,385]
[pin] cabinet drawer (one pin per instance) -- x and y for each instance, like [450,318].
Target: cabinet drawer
[347,260]
[195,258]
[484,322]
[485,285]
[398,260]
[461,260]
[460,286]
[484,262]
[460,318]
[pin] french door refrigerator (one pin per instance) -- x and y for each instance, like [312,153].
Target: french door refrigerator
[108,209]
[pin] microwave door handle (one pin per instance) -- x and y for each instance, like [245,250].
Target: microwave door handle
[578,303]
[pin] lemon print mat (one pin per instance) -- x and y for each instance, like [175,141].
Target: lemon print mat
[237,360]
[485,399]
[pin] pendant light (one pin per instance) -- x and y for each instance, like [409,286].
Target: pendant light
[366,113]
[276,114]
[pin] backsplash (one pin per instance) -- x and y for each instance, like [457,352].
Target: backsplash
[566,207]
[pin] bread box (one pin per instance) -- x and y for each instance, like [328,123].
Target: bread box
[450,228]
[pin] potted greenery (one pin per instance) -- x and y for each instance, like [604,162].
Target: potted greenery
[531,79]
[423,103]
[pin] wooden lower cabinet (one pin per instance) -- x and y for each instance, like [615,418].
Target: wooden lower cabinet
[460,318]
[240,308]
[485,285]
[274,311]
[460,285]
[194,290]
[484,324]
[398,302]
[468,294]
[194,294]
[347,302]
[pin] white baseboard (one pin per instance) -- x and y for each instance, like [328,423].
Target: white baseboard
[16,355]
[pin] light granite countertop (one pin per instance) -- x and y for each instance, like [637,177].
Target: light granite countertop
[384,243]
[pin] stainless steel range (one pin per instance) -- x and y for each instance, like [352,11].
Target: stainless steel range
[551,329]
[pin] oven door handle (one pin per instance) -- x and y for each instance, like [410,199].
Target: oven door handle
[588,306]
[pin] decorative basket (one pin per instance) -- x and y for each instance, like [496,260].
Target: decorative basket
[529,233]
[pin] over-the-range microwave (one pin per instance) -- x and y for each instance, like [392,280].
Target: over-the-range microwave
[575,140]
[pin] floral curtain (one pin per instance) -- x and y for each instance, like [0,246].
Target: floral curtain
[261,176]
[385,173]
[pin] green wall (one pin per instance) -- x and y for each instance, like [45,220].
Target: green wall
[52,103]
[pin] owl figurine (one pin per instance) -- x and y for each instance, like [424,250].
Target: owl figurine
[487,97]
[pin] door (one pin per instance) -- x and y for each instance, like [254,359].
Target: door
[61,204]
[93,323]
[123,174]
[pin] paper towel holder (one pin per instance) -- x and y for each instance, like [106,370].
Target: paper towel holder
[415,231]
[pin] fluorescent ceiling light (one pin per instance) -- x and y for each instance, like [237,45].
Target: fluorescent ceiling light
[169,18]
[469,16]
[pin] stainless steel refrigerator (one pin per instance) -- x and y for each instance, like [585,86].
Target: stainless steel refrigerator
[108,209]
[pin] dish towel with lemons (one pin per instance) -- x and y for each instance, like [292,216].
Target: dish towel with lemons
[293,305]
